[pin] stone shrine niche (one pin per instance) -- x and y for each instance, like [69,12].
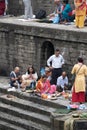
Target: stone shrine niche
[47,49]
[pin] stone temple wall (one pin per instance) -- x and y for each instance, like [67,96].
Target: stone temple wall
[22,45]
[16,7]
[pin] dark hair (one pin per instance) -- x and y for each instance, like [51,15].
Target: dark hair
[57,49]
[65,1]
[43,76]
[80,59]
[32,68]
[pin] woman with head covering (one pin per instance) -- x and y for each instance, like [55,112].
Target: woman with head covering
[80,12]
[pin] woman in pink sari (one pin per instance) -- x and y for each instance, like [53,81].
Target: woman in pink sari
[44,86]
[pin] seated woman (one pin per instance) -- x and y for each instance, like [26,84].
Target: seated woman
[67,15]
[48,73]
[29,79]
[44,87]
[55,17]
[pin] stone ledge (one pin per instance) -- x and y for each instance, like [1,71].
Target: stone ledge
[52,31]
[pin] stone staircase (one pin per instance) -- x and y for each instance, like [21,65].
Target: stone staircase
[25,111]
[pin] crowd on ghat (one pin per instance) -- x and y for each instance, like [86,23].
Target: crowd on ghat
[63,11]
[53,79]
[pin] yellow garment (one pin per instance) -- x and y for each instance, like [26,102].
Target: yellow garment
[80,14]
[79,21]
[80,77]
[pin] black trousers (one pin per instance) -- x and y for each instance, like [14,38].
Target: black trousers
[60,89]
[56,72]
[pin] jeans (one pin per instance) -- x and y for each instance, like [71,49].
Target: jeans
[28,13]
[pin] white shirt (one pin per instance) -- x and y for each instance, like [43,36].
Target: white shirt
[62,81]
[57,62]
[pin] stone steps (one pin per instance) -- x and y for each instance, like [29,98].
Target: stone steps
[35,99]
[33,116]
[26,111]
[27,105]
[7,126]
[19,122]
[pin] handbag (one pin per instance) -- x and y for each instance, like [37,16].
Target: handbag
[74,75]
[73,78]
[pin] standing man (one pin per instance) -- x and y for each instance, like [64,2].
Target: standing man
[28,13]
[55,63]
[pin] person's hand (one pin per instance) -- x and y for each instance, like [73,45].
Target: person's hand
[51,67]
[58,12]
[52,15]
[31,76]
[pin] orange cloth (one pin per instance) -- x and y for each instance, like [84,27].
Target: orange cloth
[43,87]
[81,10]
[80,13]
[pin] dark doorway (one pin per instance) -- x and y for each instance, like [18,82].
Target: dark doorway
[47,49]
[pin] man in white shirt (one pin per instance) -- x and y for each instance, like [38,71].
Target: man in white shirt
[62,82]
[55,62]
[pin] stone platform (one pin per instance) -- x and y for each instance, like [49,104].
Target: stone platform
[24,111]
[32,42]
[22,42]
[35,23]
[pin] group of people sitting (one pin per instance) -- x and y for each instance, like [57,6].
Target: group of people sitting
[42,85]
[52,79]
[63,12]
[23,81]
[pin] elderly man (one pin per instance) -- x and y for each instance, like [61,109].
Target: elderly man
[28,13]
[15,77]
[62,82]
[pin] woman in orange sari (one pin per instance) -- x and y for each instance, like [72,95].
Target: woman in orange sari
[44,86]
[80,12]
